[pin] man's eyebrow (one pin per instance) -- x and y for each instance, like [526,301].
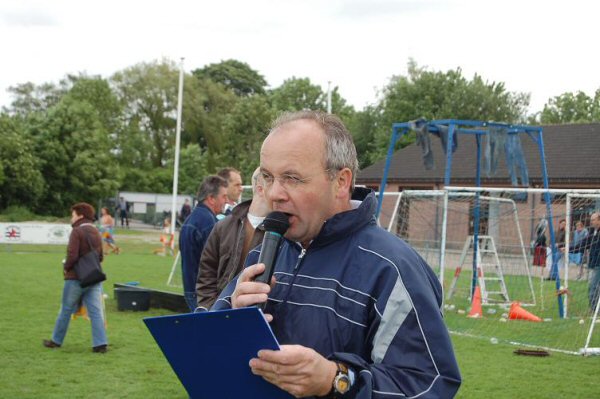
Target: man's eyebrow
[291,172]
[285,172]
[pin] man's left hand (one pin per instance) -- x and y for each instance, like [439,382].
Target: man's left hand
[296,369]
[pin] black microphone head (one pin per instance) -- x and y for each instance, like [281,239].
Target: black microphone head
[276,222]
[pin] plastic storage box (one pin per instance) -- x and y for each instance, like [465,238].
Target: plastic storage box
[135,299]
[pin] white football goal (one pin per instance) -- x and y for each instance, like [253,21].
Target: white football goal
[499,240]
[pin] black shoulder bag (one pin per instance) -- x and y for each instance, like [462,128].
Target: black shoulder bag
[88,268]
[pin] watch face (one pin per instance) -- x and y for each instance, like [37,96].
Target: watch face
[342,383]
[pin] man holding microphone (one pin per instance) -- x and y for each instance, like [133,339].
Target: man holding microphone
[355,309]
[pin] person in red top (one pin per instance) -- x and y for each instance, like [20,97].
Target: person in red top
[83,234]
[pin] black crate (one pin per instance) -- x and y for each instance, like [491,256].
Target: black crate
[135,299]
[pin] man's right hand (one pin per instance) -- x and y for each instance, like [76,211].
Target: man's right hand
[249,292]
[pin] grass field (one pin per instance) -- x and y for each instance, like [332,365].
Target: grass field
[134,367]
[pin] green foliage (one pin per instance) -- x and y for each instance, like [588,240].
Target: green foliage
[86,137]
[29,98]
[572,108]
[21,181]
[442,95]
[16,213]
[363,125]
[149,94]
[74,150]
[296,94]
[204,113]
[193,167]
[154,180]
[97,92]
[234,75]
[246,127]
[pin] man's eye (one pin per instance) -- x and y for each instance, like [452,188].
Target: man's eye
[267,178]
[292,180]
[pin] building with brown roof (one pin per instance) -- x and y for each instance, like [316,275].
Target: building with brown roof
[572,154]
[572,159]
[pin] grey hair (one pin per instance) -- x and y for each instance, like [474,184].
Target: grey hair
[210,187]
[340,151]
[256,179]
[225,173]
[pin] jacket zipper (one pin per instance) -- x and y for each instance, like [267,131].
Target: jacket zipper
[296,270]
[300,258]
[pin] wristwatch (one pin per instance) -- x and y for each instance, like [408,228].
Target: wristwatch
[342,381]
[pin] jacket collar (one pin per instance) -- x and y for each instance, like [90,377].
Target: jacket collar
[343,224]
[203,205]
[80,222]
[241,210]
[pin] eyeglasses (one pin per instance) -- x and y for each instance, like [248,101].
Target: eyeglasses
[287,181]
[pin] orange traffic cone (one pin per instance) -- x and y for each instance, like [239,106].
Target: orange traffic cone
[516,312]
[476,311]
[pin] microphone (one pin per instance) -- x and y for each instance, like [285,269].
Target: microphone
[275,224]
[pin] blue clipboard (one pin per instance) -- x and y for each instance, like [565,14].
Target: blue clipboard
[210,352]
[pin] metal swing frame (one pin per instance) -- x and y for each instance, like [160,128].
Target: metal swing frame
[478,129]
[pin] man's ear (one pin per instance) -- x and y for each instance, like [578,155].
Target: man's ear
[344,181]
[210,200]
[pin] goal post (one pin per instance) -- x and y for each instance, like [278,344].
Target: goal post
[440,226]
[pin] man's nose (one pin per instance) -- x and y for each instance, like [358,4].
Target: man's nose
[277,192]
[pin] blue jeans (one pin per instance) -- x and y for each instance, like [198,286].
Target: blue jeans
[559,265]
[92,299]
[576,258]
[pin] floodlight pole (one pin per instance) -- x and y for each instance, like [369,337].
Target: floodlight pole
[177,143]
[329,96]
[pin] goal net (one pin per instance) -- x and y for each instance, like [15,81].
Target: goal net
[496,244]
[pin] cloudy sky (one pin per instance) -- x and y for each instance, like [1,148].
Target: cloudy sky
[544,48]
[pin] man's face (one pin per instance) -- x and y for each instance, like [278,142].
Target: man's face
[217,203]
[292,165]
[234,186]
[595,221]
[75,217]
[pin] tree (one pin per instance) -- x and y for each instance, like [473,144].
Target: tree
[149,94]
[97,92]
[572,108]
[296,94]
[205,109]
[363,125]
[21,181]
[234,75]
[442,95]
[29,98]
[74,150]
[154,180]
[246,126]
[193,168]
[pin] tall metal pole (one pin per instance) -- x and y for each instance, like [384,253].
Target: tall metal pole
[476,220]
[554,268]
[388,161]
[329,97]
[177,142]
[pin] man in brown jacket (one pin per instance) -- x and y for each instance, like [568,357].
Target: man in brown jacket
[228,244]
[84,232]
